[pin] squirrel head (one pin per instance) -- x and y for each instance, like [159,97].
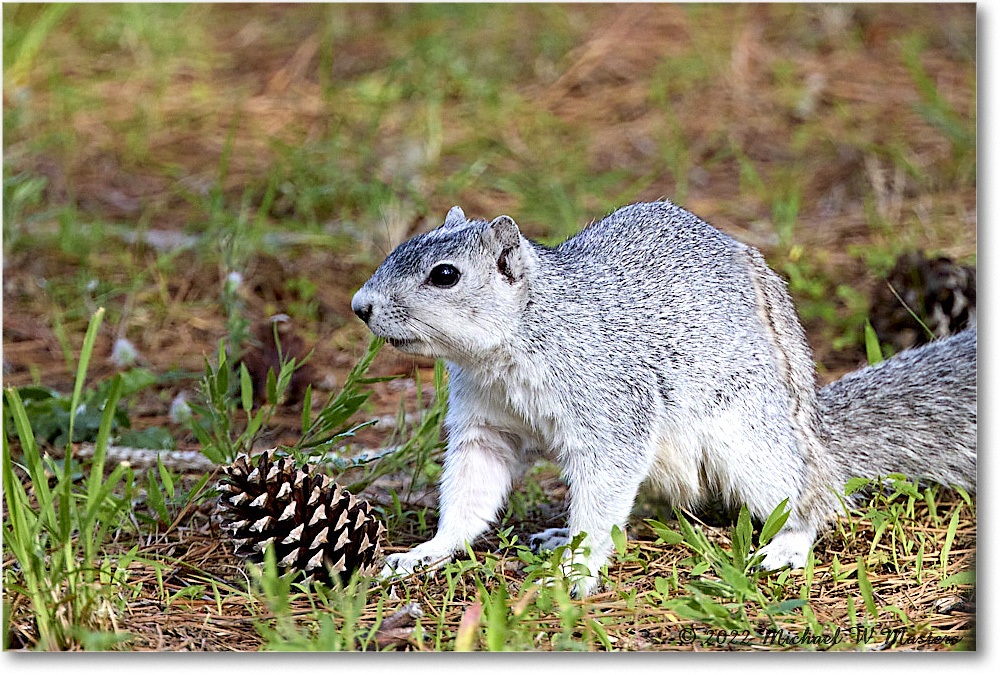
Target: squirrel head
[454,292]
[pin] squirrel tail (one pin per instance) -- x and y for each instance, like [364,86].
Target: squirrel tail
[913,414]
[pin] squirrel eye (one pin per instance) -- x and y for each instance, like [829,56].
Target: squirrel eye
[444,276]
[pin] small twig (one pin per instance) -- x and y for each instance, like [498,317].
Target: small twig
[143,458]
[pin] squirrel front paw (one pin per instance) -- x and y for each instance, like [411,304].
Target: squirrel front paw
[415,560]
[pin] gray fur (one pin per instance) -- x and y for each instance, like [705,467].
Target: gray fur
[650,348]
[913,414]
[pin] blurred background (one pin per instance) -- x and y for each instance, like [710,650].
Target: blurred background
[196,169]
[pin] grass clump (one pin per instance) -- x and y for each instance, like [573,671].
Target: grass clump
[57,533]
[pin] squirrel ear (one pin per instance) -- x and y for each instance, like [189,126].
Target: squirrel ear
[456,216]
[507,241]
[505,232]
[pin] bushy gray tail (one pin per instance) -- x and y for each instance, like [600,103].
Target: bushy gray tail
[913,414]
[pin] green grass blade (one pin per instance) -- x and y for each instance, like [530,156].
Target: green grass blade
[246,389]
[872,348]
[97,490]
[31,44]
[19,510]
[619,539]
[272,387]
[155,498]
[165,477]
[865,586]
[965,497]
[101,443]
[664,532]
[31,457]
[928,331]
[21,536]
[102,493]
[741,537]
[948,540]
[774,522]
[222,376]
[307,408]
[342,405]
[81,372]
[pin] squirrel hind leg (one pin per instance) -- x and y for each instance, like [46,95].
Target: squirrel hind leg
[788,548]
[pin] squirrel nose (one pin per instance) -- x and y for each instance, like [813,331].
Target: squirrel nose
[362,307]
[364,313]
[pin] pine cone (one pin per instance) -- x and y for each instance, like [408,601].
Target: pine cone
[316,526]
[938,290]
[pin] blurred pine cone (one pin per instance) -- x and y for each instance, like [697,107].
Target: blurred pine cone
[315,525]
[938,290]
